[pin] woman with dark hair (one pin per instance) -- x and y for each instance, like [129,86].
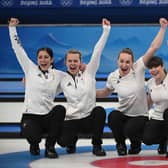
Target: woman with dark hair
[128,81]
[40,114]
[156,129]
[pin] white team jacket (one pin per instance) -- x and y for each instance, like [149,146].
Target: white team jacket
[81,92]
[39,91]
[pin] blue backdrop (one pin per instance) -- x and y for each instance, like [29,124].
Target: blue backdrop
[83,38]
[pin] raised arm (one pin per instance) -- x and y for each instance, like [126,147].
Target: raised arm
[156,43]
[21,55]
[93,65]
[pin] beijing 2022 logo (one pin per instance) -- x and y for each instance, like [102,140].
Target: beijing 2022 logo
[66,3]
[126,2]
[7,3]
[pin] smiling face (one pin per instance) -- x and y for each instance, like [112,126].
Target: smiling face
[156,68]
[44,60]
[157,72]
[125,63]
[73,61]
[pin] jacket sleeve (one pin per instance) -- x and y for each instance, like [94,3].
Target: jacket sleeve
[21,55]
[93,65]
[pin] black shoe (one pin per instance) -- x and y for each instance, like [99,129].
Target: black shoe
[71,149]
[50,152]
[134,151]
[162,149]
[98,150]
[121,149]
[34,150]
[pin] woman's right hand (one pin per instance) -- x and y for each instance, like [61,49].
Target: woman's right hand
[105,22]
[163,22]
[13,22]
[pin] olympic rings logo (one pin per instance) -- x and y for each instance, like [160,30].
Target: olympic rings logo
[7,3]
[126,2]
[66,3]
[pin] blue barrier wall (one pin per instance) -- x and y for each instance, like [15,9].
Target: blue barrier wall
[83,38]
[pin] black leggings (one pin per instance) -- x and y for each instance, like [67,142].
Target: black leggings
[123,127]
[93,125]
[156,131]
[165,116]
[34,126]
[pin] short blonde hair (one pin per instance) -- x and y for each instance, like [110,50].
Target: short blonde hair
[73,51]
